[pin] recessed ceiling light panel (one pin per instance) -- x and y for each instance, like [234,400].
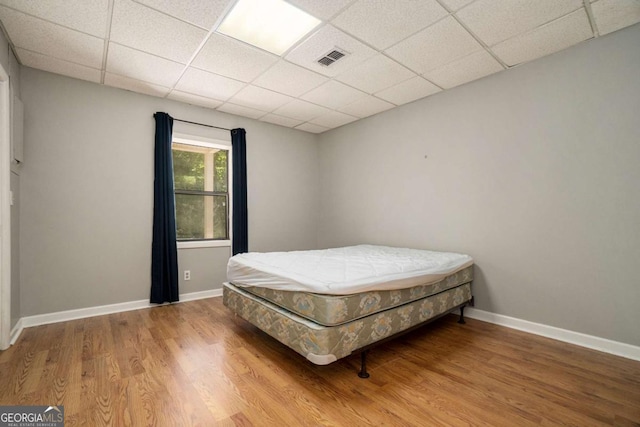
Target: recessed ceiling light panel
[272,25]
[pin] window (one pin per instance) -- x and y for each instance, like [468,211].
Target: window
[201,180]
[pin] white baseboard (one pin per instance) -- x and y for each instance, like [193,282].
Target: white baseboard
[201,295]
[16,331]
[589,341]
[63,316]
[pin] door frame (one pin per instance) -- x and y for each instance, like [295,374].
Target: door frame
[5,210]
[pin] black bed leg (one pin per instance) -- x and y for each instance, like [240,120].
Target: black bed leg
[461,319]
[363,365]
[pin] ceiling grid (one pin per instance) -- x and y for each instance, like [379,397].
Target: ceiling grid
[398,51]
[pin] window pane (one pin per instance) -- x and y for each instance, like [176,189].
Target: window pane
[199,168]
[188,170]
[221,167]
[201,217]
[219,217]
[190,216]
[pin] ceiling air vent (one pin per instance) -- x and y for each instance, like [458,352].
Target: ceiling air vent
[331,57]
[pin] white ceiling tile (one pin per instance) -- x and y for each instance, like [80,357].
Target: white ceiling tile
[550,38]
[367,106]
[148,30]
[375,74]
[289,79]
[310,127]
[301,110]
[333,94]
[241,110]
[454,5]
[435,46]
[189,98]
[463,70]
[231,58]
[333,119]
[408,91]
[142,66]
[612,15]
[134,85]
[322,42]
[324,9]
[87,16]
[43,37]
[207,84]
[496,20]
[384,23]
[197,12]
[58,66]
[260,99]
[281,120]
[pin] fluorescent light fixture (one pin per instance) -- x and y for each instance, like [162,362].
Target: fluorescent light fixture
[272,25]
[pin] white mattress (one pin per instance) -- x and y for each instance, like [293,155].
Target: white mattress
[344,271]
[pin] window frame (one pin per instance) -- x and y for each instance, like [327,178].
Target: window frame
[220,144]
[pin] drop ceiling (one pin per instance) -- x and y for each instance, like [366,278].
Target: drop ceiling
[397,51]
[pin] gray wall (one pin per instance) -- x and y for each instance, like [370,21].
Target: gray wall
[87,193]
[535,172]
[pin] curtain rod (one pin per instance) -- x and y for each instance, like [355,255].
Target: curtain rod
[200,124]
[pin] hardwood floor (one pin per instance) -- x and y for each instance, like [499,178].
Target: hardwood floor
[196,364]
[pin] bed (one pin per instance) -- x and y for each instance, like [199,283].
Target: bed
[327,304]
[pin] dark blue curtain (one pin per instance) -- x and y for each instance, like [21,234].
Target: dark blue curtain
[164,253]
[240,241]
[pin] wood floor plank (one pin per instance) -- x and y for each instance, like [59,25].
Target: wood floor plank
[196,364]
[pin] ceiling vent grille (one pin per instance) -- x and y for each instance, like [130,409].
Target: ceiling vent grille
[332,57]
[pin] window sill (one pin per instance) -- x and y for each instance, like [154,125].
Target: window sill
[204,244]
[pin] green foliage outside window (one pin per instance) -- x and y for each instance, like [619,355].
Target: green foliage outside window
[188,170]
[202,213]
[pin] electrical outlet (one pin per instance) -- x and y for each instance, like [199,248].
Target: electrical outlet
[187,275]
